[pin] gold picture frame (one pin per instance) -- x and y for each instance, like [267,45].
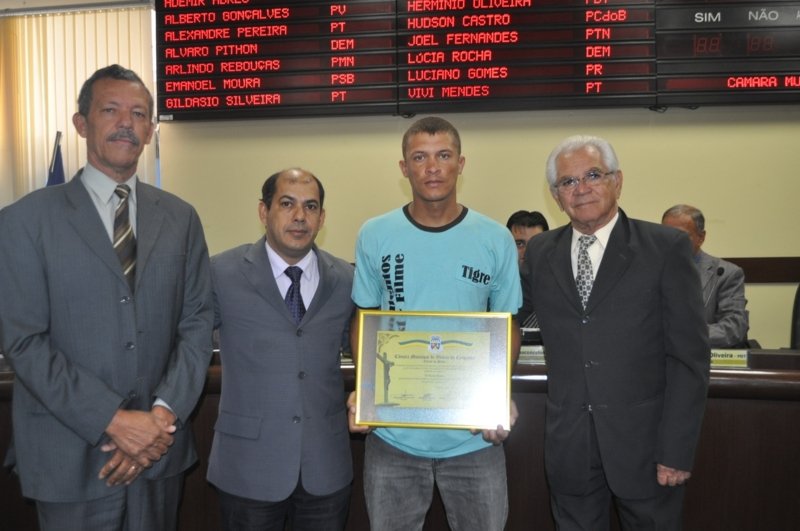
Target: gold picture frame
[433,369]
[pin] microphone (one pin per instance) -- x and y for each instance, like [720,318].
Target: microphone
[720,271]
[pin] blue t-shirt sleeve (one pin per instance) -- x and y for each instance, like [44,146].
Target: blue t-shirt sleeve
[367,282]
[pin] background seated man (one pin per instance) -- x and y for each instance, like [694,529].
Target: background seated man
[525,225]
[723,282]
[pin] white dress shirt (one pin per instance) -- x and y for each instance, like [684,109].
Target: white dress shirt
[596,250]
[101,189]
[309,281]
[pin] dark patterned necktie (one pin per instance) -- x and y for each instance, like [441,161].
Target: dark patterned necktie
[124,240]
[531,322]
[585,277]
[294,300]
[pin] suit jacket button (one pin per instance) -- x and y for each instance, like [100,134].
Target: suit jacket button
[585,319]
[296,420]
[125,300]
[299,332]
[301,375]
[130,345]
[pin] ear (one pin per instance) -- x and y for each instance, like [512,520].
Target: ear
[262,212]
[618,184]
[554,193]
[79,121]
[321,218]
[403,167]
[461,161]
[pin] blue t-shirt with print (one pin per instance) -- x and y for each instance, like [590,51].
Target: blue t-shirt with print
[469,265]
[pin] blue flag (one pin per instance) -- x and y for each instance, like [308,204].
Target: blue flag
[56,173]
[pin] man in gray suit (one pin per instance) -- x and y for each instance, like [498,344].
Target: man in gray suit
[281,446]
[106,320]
[619,307]
[722,281]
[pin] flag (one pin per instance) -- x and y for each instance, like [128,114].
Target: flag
[56,173]
[158,160]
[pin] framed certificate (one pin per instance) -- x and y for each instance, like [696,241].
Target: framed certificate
[433,369]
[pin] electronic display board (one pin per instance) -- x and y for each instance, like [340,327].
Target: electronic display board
[728,52]
[230,59]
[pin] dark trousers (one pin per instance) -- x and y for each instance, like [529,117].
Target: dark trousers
[301,511]
[144,505]
[592,511]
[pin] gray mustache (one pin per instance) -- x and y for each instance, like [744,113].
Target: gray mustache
[125,134]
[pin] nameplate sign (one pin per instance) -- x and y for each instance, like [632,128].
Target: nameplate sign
[531,355]
[728,358]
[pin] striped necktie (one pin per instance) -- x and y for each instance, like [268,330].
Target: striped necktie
[124,240]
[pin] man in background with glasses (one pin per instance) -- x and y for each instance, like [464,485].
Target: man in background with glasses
[619,306]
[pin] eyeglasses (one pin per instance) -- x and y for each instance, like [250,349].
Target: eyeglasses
[590,178]
[521,244]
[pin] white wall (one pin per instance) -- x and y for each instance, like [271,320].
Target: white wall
[735,163]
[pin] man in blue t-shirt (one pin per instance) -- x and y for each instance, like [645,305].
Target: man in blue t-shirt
[435,254]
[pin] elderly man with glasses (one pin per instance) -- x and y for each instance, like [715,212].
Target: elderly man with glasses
[621,318]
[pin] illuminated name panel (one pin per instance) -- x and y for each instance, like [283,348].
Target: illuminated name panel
[228,59]
[517,54]
[231,59]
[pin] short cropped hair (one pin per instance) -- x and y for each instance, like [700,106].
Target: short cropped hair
[687,210]
[431,126]
[110,72]
[523,218]
[271,184]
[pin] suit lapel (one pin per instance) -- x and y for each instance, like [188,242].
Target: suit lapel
[707,268]
[616,260]
[561,266]
[258,271]
[83,217]
[149,218]
[327,282]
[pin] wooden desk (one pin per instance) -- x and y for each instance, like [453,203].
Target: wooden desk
[745,477]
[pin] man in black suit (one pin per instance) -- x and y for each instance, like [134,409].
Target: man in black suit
[626,346]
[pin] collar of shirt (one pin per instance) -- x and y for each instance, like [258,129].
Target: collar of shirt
[597,249]
[308,281]
[101,190]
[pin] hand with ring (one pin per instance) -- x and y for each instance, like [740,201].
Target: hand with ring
[121,469]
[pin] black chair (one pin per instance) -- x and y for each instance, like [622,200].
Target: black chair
[795,338]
